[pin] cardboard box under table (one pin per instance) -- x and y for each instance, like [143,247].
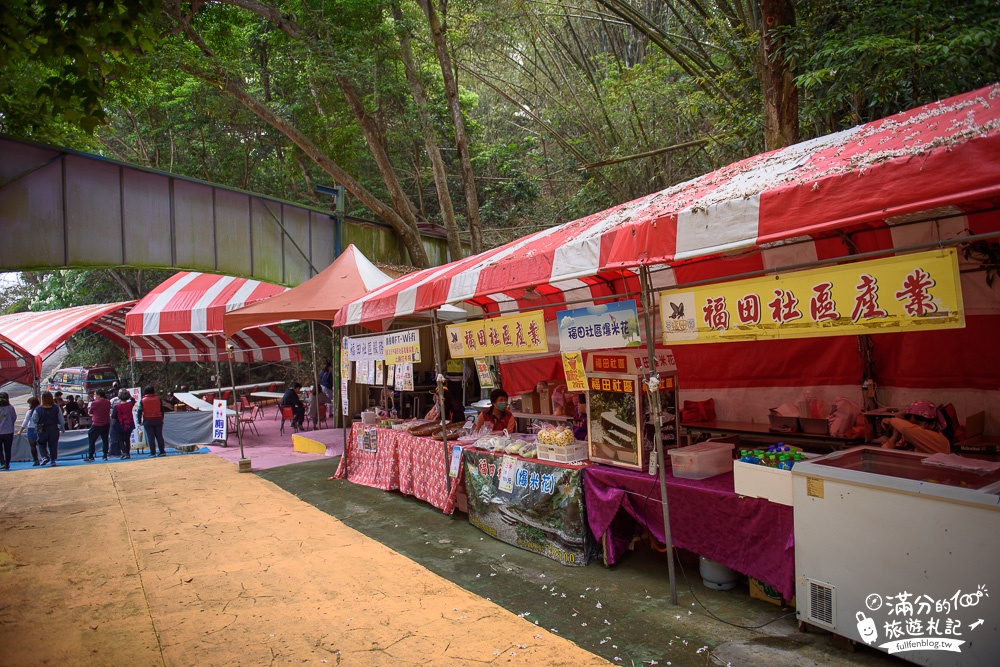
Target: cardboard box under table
[749,535]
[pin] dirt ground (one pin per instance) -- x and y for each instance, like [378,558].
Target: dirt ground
[185,561]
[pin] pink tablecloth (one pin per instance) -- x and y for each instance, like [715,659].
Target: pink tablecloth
[750,535]
[403,462]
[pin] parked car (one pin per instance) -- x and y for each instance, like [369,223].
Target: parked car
[82,380]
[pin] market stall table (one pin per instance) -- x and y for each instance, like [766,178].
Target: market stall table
[399,462]
[755,432]
[535,505]
[749,535]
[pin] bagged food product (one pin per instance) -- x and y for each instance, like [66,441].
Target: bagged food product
[556,436]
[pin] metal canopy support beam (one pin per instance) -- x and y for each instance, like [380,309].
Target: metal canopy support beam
[164,220]
[653,396]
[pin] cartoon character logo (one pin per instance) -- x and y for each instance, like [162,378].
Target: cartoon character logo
[866,628]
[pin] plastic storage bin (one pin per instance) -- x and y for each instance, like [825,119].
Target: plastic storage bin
[814,426]
[706,459]
[563,453]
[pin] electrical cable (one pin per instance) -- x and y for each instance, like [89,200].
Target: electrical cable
[712,614]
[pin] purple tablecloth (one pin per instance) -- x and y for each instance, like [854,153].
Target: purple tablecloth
[749,535]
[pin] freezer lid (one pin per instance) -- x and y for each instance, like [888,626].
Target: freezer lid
[903,471]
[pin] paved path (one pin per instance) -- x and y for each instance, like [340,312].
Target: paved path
[185,561]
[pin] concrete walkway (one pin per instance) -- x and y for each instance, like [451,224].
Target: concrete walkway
[185,561]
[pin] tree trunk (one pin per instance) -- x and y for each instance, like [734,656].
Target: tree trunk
[430,139]
[131,291]
[781,98]
[402,219]
[375,136]
[406,232]
[461,143]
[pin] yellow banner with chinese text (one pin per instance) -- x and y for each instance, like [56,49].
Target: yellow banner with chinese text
[575,371]
[520,333]
[918,292]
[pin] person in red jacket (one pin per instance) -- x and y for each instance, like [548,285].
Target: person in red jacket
[151,410]
[100,426]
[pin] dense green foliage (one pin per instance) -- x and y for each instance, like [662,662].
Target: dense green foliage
[231,92]
[546,88]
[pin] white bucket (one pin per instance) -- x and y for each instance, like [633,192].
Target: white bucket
[717,576]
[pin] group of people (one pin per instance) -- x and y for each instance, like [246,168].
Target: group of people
[112,422]
[292,399]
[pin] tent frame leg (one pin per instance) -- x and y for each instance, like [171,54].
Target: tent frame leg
[653,396]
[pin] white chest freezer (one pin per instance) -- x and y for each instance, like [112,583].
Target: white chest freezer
[900,555]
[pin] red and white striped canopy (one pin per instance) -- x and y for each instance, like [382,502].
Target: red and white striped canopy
[15,364]
[256,344]
[182,319]
[192,302]
[863,189]
[26,338]
[33,335]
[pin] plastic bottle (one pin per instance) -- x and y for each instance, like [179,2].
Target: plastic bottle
[784,463]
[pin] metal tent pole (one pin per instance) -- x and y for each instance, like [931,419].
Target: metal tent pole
[131,365]
[315,399]
[344,419]
[439,392]
[239,432]
[653,396]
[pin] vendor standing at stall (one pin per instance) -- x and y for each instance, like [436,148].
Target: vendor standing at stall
[454,411]
[918,430]
[498,416]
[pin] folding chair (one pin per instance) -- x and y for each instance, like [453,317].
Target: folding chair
[287,414]
[248,417]
[245,403]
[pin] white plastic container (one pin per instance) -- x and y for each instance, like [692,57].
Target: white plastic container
[706,459]
[759,481]
[717,576]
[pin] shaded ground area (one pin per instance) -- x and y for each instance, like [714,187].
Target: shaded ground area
[623,614]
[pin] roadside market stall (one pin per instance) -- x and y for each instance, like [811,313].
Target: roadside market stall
[878,201]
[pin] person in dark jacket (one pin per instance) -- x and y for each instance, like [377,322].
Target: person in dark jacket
[49,422]
[291,400]
[8,422]
[454,410]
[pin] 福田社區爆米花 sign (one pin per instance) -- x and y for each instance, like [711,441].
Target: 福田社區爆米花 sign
[603,327]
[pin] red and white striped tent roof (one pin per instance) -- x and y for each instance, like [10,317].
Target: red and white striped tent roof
[27,338]
[30,336]
[183,318]
[15,364]
[854,191]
